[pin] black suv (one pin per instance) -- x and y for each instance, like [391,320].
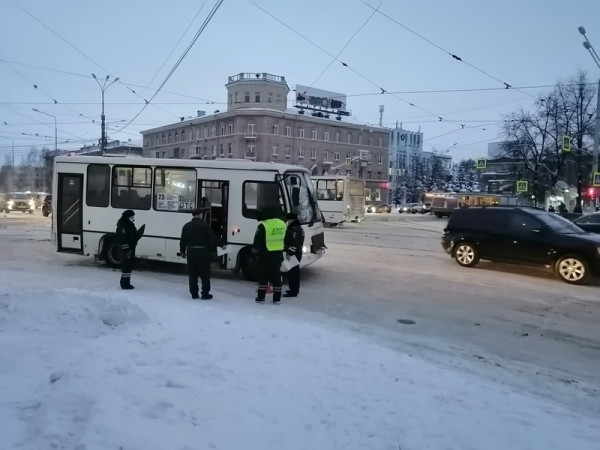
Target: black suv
[523,236]
[47,205]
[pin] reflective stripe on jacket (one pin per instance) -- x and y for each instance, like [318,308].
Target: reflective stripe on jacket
[274,234]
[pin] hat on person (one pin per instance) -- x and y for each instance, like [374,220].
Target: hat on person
[128,213]
[291,216]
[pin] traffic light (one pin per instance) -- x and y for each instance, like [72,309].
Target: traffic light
[566,143]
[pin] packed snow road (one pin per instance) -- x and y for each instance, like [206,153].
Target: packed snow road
[389,274]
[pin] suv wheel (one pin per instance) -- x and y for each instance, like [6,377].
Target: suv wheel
[572,269]
[466,254]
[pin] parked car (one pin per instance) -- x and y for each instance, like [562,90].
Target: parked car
[417,208]
[47,205]
[383,208]
[523,236]
[18,201]
[589,222]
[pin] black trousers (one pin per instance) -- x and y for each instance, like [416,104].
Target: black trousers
[198,263]
[294,278]
[127,266]
[269,269]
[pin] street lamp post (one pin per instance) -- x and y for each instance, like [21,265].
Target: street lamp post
[103,87]
[588,46]
[46,114]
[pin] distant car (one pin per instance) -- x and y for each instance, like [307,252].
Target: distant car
[417,208]
[383,208]
[522,236]
[18,201]
[406,208]
[47,205]
[589,222]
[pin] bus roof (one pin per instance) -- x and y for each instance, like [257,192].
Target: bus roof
[222,163]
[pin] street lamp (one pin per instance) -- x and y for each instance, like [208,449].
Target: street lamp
[13,149]
[103,87]
[46,114]
[588,46]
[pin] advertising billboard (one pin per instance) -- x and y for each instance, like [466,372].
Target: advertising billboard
[318,98]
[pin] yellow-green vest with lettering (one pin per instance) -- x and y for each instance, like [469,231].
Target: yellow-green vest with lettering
[274,234]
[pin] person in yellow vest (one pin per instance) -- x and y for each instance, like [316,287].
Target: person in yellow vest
[268,245]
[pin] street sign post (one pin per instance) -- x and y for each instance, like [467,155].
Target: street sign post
[481,163]
[522,186]
[596,180]
[566,143]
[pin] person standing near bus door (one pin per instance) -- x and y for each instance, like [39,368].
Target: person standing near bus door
[268,245]
[196,243]
[294,240]
[127,235]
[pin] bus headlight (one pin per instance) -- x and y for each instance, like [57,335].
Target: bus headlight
[304,249]
[32,204]
[11,203]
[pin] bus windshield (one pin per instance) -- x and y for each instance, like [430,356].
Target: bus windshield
[300,192]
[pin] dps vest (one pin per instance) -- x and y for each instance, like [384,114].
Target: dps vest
[274,234]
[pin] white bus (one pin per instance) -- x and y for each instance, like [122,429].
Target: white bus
[340,198]
[91,192]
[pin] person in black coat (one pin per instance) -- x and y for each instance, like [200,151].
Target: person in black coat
[294,240]
[196,243]
[127,236]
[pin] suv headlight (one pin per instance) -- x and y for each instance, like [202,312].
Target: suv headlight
[32,204]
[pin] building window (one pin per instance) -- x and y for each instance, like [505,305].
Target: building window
[247,97]
[222,129]
[229,150]
[370,141]
[336,155]
[380,159]
[326,135]
[314,133]
[326,156]
[301,132]
[288,131]
[370,158]
[213,152]
[278,99]
[214,131]
[198,134]
[349,140]
[176,137]
[230,98]
[337,136]
[230,127]
[275,149]
[251,130]
[270,97]
[257,97]
[205,132]
[301,152]
[369,175]
[197,149]
[275,129]
[157,154]
[164,155]
[313,153]
[379,175]
[236,97]
[360,140]
[288,151]
[251,151]
[221,150]
[380,142]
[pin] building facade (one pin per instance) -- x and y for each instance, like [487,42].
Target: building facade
[258,126]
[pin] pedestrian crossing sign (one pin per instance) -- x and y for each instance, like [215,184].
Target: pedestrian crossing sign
[596,180]
[522,186]
[348,161]
[481,163]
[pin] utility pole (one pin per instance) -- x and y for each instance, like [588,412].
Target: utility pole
[103,87]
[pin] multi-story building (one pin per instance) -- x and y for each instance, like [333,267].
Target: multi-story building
[257,125]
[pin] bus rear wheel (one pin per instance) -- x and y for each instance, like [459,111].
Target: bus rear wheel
[112,254]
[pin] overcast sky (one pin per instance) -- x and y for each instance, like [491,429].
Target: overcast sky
[403,48]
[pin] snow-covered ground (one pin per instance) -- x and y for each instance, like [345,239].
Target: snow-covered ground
[85,365]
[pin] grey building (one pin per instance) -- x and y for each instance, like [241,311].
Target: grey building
[258,126]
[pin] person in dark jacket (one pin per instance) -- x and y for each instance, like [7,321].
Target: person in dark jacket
[294,240]
[268,245]
[127,236]
[196,243]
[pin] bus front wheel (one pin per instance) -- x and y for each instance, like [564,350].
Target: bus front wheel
[249,265]
[112,254]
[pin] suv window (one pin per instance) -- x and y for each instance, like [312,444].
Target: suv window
[478,219]
[522,224]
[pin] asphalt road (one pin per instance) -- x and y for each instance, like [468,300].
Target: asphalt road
[388,276]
